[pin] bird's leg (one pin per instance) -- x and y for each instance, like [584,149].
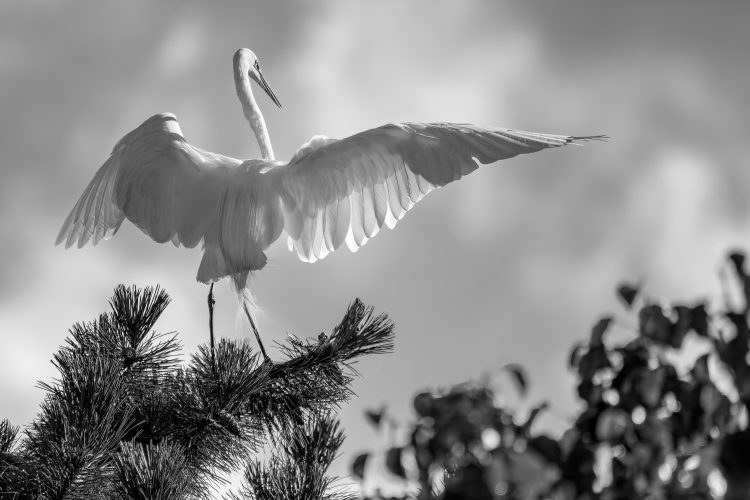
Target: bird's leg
[211,303]
[255,331]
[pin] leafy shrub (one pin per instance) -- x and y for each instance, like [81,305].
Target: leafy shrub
[648,428]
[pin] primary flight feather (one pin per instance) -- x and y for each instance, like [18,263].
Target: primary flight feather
[331,192]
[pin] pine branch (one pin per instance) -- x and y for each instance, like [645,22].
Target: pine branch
[311,382]
[125,333]
[297,468]
[8,436]
[277,396]
[155,472]
[315,377]
[356,335]
[238,374]
[83,419]
[124,419]
[221,410]
[137,310]
[360,334]
[13,470]
[315,443]
[215,439]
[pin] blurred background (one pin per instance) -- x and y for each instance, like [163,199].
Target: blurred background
[511,264]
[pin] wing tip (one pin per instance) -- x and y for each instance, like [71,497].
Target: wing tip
[577,139]
[77,235]
[60,237]
[67,235]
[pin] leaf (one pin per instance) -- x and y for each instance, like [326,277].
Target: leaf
[519,375]
[393,462]
[734,458]
[594,360]
[358,466]
[653,324]
[737,258]
[546,447]
[575,355]
[597,332]
[628,293]
[699,320]
[611,424]
[533,414]
[375,416]
[682,326]
[700,371]
[735,351]
[570,439]
[710,398]
[424,404]
[650,386]
[585,389]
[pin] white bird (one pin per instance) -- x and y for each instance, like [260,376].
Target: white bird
[332,191]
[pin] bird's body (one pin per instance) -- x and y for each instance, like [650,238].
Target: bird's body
[331,192]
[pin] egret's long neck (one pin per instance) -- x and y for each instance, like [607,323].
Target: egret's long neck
[252,112]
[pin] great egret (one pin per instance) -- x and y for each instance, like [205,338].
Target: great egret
[332,191]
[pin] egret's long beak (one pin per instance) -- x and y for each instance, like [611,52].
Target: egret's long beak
[264,85]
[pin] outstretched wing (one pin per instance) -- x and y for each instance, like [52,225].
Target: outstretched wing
[168,188]
[345,190]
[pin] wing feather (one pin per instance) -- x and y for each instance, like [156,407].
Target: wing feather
[84,222]
[176,192]
[317,239]
[415,194]
[380,198]
[329,225]
[356,235]
[402,177]
[394,196]
[358,184]
[368,211]
[342,221]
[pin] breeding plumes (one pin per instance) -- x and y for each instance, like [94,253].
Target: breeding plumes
[332,191]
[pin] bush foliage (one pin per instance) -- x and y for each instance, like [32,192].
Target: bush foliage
[648,426]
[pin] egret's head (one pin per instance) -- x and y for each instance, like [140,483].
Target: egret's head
[246,63]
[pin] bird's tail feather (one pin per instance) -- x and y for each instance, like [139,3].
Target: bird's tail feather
[248,305]
[213,265]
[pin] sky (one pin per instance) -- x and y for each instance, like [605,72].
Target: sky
[511,264]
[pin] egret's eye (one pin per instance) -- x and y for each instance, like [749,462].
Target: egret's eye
[257,65]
